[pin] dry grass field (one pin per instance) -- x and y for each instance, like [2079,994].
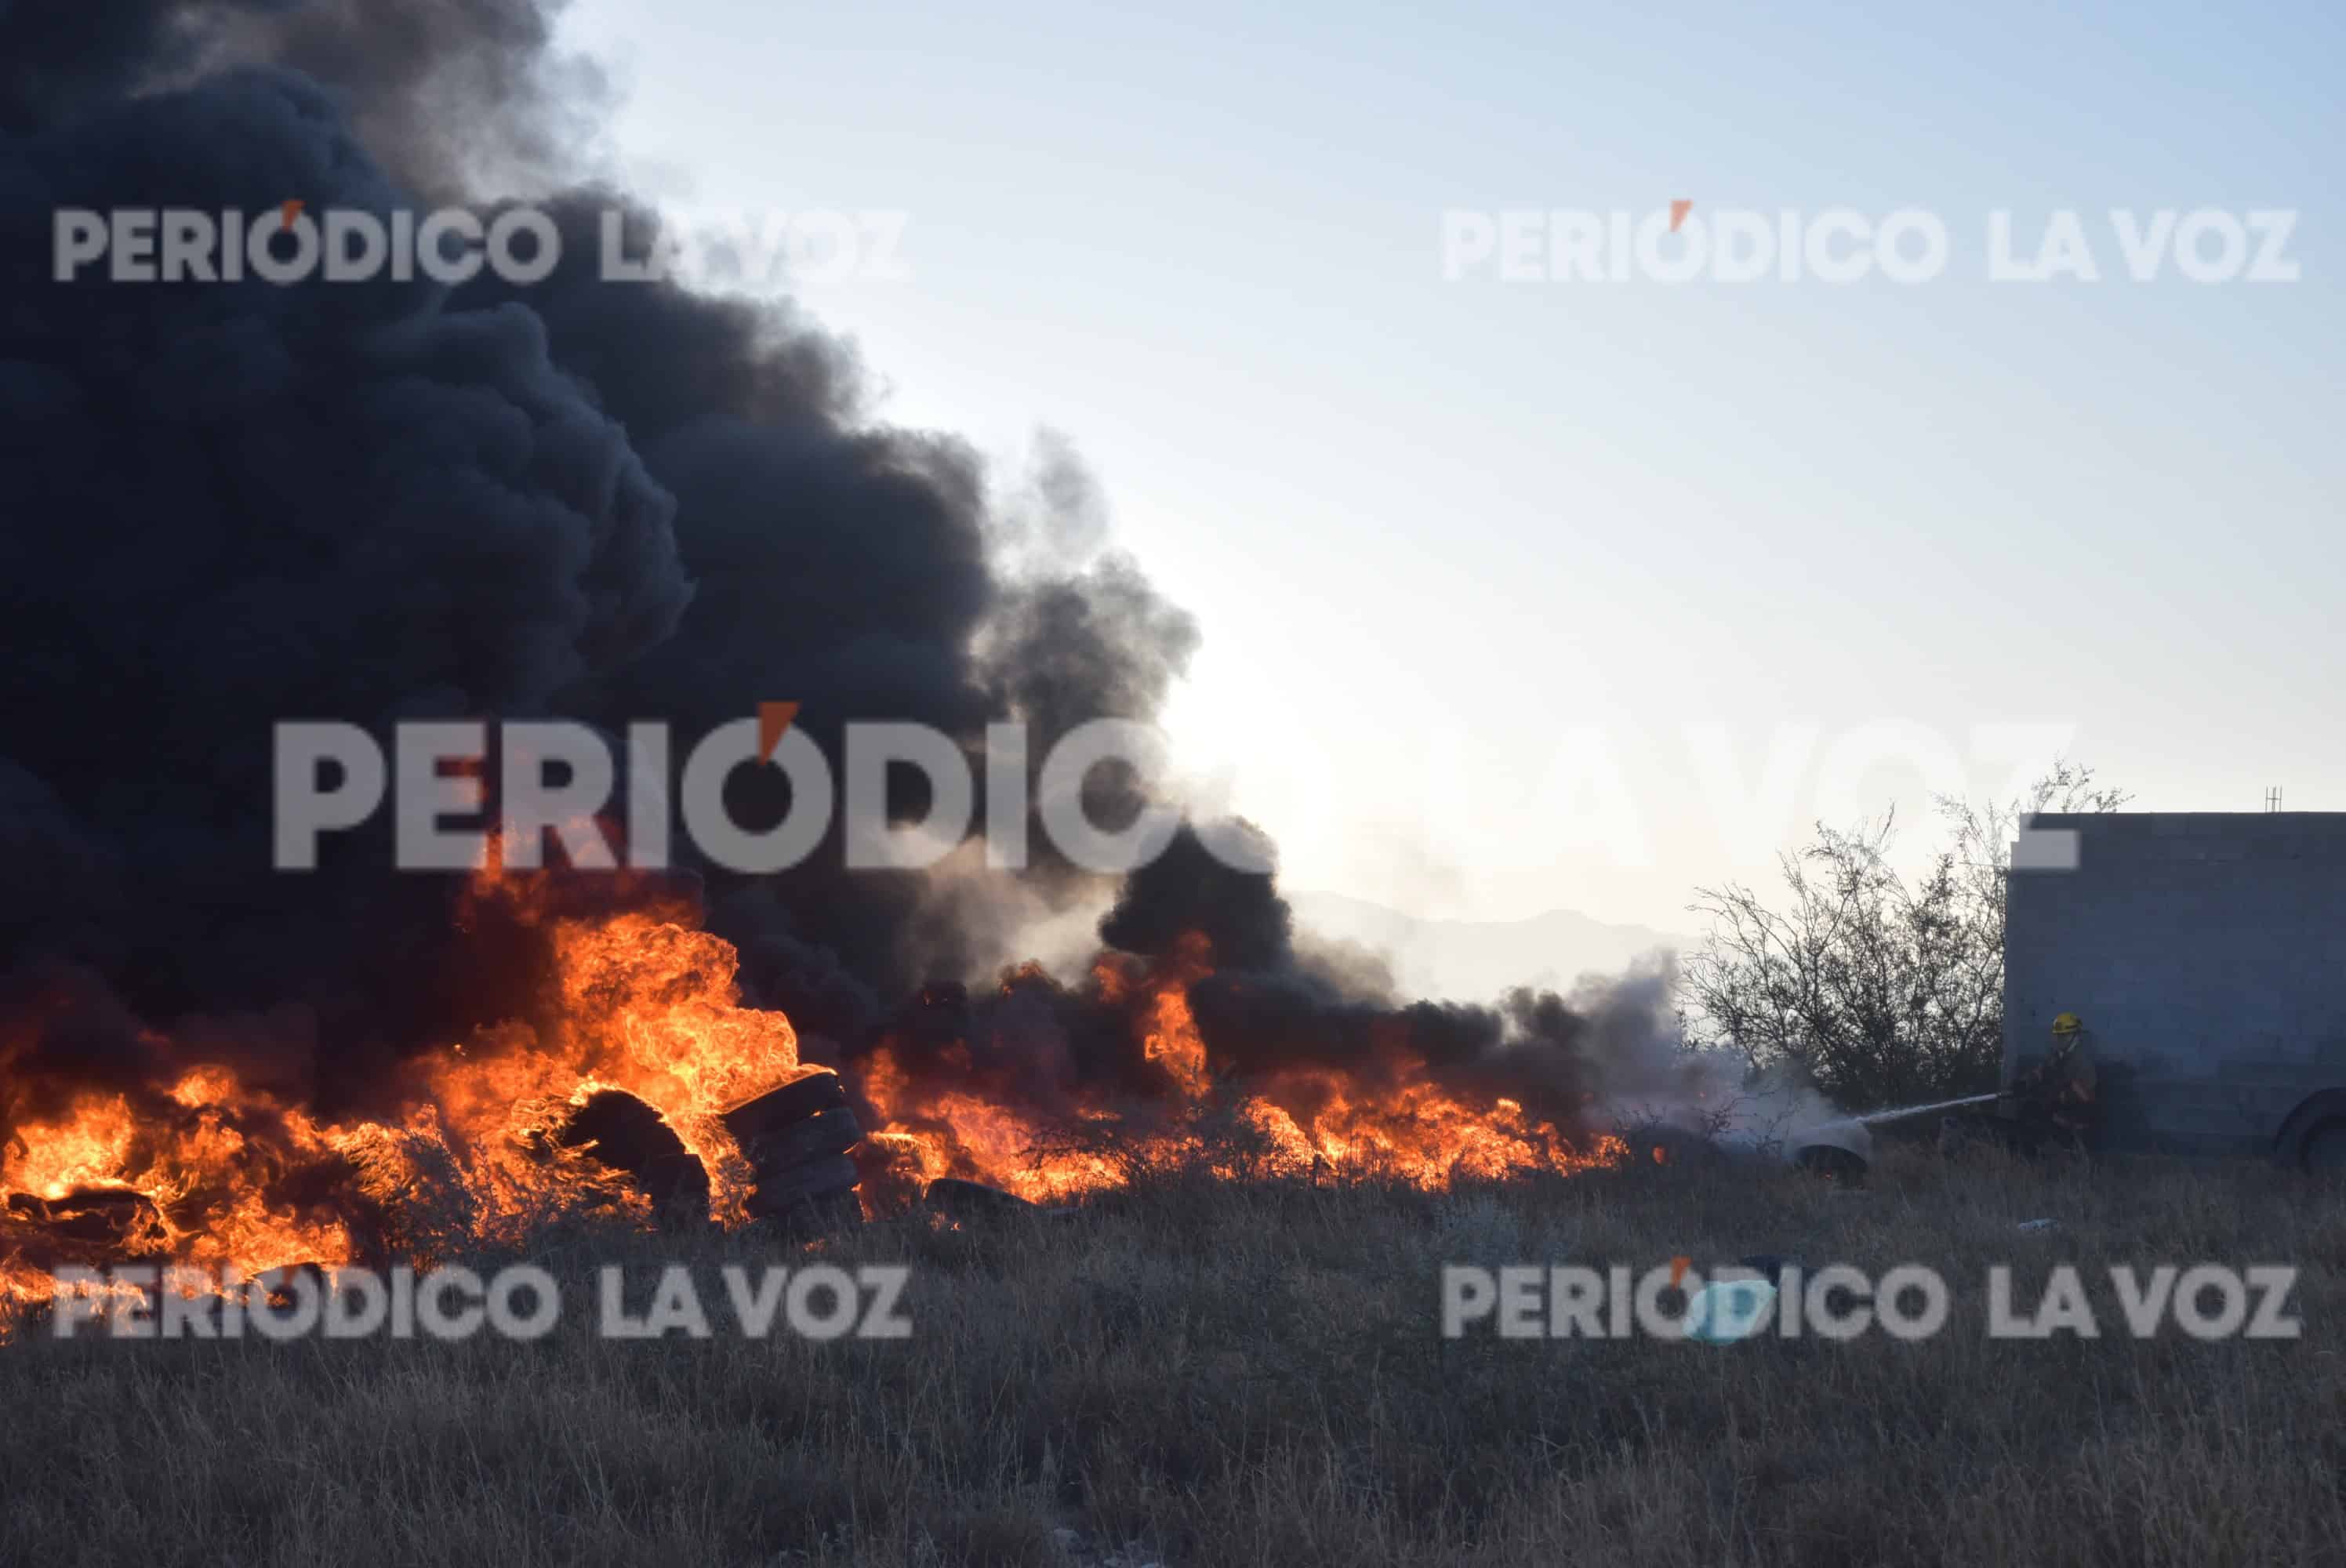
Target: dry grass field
[1195,1373]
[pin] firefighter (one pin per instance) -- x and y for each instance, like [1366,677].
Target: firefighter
[2054,1100]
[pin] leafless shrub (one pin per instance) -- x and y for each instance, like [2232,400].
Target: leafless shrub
[1879,989]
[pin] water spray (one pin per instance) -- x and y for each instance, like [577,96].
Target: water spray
[1934,1105]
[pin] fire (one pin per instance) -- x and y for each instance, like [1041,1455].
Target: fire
[209,1170]
[85,1149]
[202,1167]
[1174,1043]
[193,1176]
[1298,1122]
[957,1132]
[1427,1137]
[648,1005]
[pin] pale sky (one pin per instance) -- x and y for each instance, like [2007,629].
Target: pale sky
[1463,550]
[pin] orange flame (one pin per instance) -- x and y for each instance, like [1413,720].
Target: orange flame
[211,1171]
[207,1170]
[1299,1122]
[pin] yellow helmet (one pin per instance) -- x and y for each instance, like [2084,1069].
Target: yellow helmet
[2067,1023]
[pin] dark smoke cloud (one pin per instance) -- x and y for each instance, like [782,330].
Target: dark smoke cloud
[440,92]
[58,59]
[1265,1007]
[1275,1018]
[235,504]
[1192,888]
[444,94]
[851,567]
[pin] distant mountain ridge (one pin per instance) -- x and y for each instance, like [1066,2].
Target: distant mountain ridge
[1475,960]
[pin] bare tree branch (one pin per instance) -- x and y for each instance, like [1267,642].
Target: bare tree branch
[1878,992]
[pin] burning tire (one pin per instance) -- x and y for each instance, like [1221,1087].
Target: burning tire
[797,1139]
[627,1135]
[90,1226]
[958,1199]
[829,1132]
[779,1108]
[816,1196]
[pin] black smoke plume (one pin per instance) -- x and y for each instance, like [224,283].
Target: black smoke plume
[234,503]
[1276,1016]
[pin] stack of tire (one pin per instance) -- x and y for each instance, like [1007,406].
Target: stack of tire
[796,1139]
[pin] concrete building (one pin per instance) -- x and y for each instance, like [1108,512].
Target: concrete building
[2205,954]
